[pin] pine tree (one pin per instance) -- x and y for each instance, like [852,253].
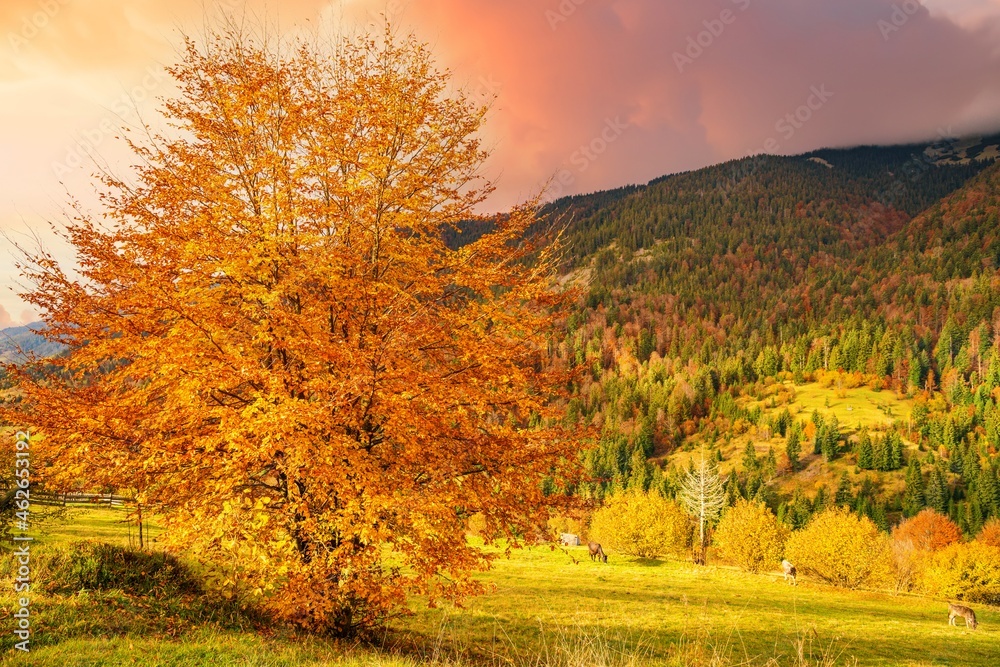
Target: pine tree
[831,440]
[880,516]
[987,491]
[640,473]
[820,501]
[865,458]
[793,449]
[820,424]
[800,510]
[750,463]
[913,495]
[769,466]
[843,495]
[894,451]
[936,494]
[880,452]
[732,491]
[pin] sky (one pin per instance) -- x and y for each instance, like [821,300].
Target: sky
[588,94]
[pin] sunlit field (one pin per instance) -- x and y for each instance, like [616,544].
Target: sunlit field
[544,606]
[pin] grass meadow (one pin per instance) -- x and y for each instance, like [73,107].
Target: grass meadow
[544,607]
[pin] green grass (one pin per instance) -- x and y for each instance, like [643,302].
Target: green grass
[544,607]
[206,648]
[655,607]
[90,522]
[852,407]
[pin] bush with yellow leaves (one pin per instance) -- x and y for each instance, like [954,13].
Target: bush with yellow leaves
[645,525]
[843,549]
[750,536]
[965,571]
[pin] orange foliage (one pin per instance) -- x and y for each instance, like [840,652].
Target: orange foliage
[990,534]
[274,345]
[810,430]
[928,531]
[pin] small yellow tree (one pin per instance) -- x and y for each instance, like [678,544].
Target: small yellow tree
[645,525]
[964,571]
[843,549]
[750,536]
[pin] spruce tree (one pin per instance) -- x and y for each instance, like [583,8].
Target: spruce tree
[894,450]
[880,454]
[865,454]
[843,496]
[750,463]
[829,447]
[936,493]
[732,490]
[820,501]
[769,466]
[880,516]
[913,495]
[987,492]
[793,448]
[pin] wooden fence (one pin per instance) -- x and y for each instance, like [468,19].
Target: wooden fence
[79,498]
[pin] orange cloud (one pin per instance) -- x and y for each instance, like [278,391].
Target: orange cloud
[592,93]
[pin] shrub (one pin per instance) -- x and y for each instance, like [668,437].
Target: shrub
[645,525]
[964,571]
[750,536]
[843,549]
[100,566]
[990,534]
[927,531]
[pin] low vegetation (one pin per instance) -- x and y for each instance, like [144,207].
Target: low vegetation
[101,604]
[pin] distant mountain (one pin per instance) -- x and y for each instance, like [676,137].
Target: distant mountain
[709,298]
[17,344]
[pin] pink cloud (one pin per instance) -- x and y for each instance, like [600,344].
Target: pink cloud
[565,68]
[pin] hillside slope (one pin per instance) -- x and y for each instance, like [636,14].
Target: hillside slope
[17,344]
[708,293]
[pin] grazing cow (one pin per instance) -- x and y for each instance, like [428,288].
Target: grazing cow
[790,572]
[597,552]
[956,610]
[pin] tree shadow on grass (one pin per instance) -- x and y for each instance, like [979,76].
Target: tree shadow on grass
[647,562]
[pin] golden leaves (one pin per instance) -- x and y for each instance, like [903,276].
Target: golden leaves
[275,345]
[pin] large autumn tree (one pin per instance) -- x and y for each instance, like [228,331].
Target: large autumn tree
[270,340]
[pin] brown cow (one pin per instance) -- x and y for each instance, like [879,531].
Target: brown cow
[597,552]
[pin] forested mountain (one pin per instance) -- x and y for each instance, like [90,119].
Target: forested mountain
[723,310]
[17,344]
[712,294]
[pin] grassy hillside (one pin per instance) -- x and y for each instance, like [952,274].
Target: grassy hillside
[544,607]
